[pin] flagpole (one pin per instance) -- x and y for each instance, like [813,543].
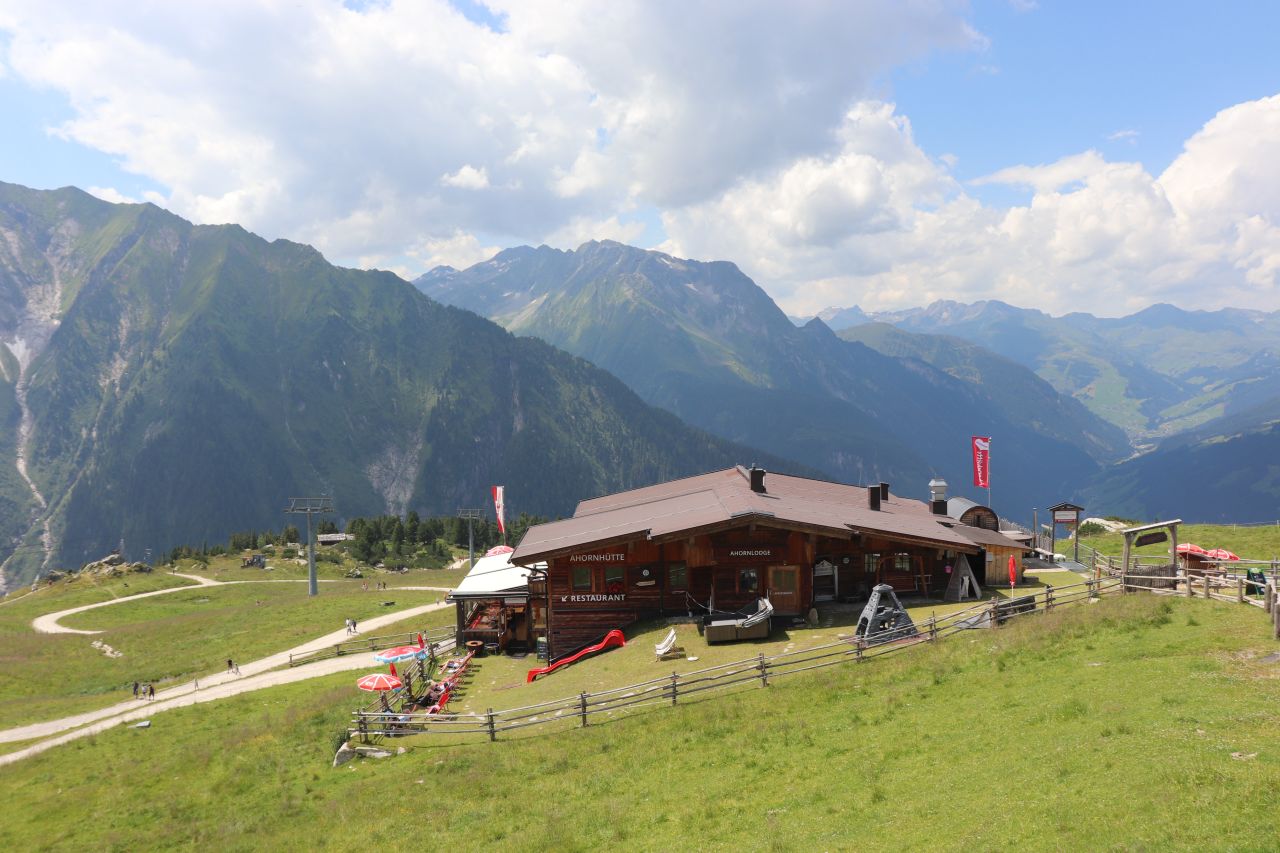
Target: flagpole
[989,504]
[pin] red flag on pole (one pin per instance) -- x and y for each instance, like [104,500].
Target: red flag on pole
[498,508]
[982,461]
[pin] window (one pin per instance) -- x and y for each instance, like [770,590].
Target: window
[642,576]
[871,563]
[902,562]
[582,578]
[677,576]
[613,579]
[748,580]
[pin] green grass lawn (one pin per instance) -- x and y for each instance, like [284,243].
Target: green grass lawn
[1251,543]
[229,569]
[1137,723]
[164,639]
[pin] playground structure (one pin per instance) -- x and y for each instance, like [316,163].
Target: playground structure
[611,639]
[884,623]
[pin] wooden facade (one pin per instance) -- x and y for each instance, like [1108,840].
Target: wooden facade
[593,590]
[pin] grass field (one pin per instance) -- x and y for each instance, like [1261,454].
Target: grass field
[229,569]
[1138,723]
[1251,543]
[164,639]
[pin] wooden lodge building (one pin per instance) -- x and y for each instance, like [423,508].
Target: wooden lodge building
[719,541]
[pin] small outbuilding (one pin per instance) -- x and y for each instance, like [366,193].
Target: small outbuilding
[493,602]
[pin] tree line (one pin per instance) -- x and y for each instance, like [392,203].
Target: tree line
[409,541]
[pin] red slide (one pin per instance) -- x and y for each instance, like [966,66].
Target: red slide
[613,638]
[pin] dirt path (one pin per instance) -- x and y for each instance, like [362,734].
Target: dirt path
[253,676]
[48,623]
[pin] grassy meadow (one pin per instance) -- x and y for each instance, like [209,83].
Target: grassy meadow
[164,639]
[1134,723]
[1259,542]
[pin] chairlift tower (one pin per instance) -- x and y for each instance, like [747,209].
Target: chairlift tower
[310,507]
[471,515]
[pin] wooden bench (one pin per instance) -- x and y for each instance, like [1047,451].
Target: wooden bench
[668,648]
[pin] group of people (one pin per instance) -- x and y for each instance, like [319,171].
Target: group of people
[233,667]
[351,626]
[379,585]
[144,691]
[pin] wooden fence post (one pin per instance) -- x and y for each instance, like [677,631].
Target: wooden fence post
[933,628]
[1048,597]
[764,672]
[1275,621]
[582,704]
[493,734]
[1188,579]
[1239,590]
[675,686]
[995,611]
[363,725]
[858,650]
[1208,585]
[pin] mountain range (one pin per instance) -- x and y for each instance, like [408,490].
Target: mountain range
[165,383]
[705,342]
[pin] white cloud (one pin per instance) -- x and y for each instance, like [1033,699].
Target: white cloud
[879,224]
[110,194]
[356,128]
[468,178]
[743,124]
[1128,135]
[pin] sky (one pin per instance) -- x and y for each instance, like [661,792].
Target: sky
[1067,156]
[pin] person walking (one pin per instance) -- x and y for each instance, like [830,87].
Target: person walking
[135,690]
[151,692]
[354,629]
[236,668]
[230,665]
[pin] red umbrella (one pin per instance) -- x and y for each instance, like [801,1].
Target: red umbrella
[1220,554]
[400,653]
[1190,548]
[499,549]
[379,682]
[1013,571]
[420,643]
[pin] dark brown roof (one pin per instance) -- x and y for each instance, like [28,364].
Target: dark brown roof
[982,536]
[678,507]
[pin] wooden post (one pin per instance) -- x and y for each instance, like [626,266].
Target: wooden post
[493,734]
[1208,585]
[1124,565]
[1275,621]
[1188,580]
[675,686]
[858,650]
[995,611]
[1048,597]
[582,705]
[933,628]
[764,672]
[1239,590]
[363,725]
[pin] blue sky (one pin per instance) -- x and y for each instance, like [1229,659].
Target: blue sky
[884,154]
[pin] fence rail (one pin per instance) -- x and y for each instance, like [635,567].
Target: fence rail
[371,644]
[668,690]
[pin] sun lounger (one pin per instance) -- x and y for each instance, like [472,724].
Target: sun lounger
[668,648]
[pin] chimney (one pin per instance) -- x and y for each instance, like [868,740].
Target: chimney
[938,496]
[757,479]
[884,491]
[873,497]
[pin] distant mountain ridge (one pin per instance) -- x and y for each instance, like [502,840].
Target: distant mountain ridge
[166,383]
[704,341]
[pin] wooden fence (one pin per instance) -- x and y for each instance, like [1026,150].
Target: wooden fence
[371,644]
[668,690]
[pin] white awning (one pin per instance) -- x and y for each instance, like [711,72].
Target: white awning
[494,576]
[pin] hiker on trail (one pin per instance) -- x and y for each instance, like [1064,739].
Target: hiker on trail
[151,692]
[354,630]
[237,669]
[135,690]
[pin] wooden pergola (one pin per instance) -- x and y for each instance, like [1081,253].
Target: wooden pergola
[1150,534]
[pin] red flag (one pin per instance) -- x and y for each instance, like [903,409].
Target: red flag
[499,508]
[982,461]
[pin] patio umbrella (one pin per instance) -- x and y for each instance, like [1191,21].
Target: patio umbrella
[1220,554]
[378,682]
[497,550]
[1013,571]
[400,653]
